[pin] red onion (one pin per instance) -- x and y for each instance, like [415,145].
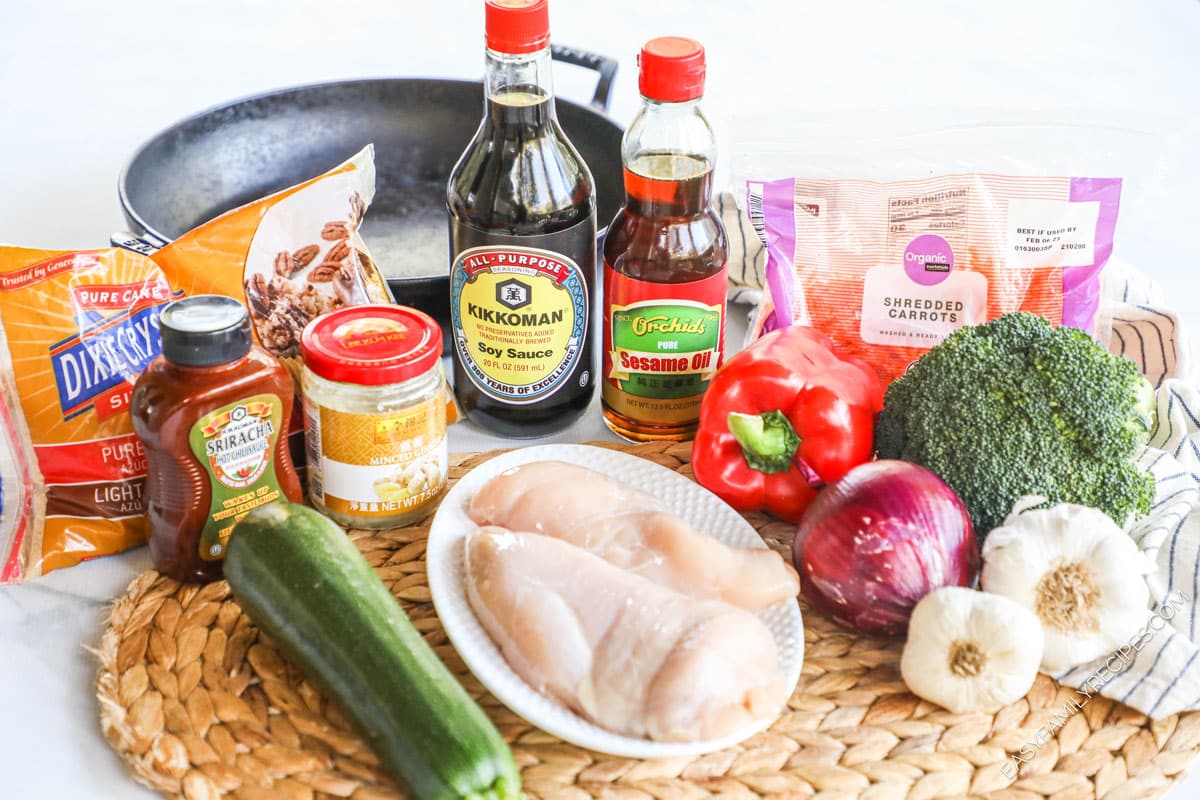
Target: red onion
[878,540]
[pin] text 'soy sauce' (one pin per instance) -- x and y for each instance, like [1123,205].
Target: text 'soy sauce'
[212,412]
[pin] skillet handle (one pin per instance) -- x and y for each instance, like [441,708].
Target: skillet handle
[146,244]
[607,67]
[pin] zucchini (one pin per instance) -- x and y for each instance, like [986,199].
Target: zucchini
[301,580]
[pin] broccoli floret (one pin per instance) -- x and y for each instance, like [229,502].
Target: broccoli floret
[1016,407]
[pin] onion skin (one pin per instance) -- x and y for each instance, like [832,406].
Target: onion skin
[878,540]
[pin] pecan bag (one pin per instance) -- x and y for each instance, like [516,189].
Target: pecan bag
[290,256]
[78,327]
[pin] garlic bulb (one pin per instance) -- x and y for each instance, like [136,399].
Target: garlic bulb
[1077,571]
[970,651]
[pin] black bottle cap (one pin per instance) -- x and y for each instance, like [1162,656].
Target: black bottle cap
[204,330]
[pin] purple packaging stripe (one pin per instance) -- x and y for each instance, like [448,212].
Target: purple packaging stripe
[779,224]
[1081,285]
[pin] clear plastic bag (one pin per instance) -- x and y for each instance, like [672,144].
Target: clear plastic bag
[888,234]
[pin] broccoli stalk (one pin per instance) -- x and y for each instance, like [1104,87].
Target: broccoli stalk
[1016,407]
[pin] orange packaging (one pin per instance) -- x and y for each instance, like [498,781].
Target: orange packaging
[78,327]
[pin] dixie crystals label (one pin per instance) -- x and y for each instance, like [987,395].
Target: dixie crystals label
[520,316]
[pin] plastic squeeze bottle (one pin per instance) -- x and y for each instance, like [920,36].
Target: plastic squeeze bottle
[212,412]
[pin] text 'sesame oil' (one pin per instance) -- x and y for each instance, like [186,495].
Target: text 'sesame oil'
[664,257]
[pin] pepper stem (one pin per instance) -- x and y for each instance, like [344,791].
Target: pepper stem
[768,440]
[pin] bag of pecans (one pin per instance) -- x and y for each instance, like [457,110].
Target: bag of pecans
[78,326]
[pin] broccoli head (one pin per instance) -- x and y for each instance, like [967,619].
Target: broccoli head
[1016,407]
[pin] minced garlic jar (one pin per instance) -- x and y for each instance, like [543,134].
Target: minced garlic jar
[374,415]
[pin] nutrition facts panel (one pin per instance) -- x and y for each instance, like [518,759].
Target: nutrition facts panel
[942,212]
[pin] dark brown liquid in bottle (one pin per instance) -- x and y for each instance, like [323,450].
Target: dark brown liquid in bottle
[665,233]
[520,177]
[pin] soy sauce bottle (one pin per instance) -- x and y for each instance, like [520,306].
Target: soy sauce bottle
[664,256]
[522,244]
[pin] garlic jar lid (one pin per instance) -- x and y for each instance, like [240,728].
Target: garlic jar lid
[371,344]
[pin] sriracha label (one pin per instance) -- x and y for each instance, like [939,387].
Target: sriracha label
[236,445]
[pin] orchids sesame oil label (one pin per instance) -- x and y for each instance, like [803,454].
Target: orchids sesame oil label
[662,344]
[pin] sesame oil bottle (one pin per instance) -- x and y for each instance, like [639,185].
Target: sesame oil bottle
[664,256]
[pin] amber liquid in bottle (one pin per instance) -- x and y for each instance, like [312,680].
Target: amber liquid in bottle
[167,402]
[666,233]
[521,184]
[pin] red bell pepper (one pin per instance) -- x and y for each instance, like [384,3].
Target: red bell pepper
[782,418]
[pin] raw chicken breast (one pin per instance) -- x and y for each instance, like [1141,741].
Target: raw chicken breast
[633,530]
[630,655]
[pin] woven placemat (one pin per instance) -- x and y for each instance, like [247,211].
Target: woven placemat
[201,706]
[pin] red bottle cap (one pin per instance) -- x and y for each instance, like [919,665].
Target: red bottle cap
[517,26]
[672,69]
[372,344]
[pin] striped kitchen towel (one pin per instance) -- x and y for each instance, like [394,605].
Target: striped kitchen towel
[747,257]
[1158,671]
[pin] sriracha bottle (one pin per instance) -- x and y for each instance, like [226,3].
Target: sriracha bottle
[212,412]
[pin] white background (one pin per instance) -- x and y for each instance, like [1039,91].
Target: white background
[82,84]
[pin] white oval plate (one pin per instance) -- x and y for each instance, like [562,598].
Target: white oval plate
[700,507]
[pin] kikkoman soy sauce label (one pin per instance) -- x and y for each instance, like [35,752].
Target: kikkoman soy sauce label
[520,316]
[236,446]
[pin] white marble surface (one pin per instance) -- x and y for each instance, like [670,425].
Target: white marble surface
[81,84]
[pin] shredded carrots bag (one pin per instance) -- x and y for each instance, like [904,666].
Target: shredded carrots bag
[889,269]
[78,327]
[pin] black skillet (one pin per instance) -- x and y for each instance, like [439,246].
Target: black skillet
[231,155]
